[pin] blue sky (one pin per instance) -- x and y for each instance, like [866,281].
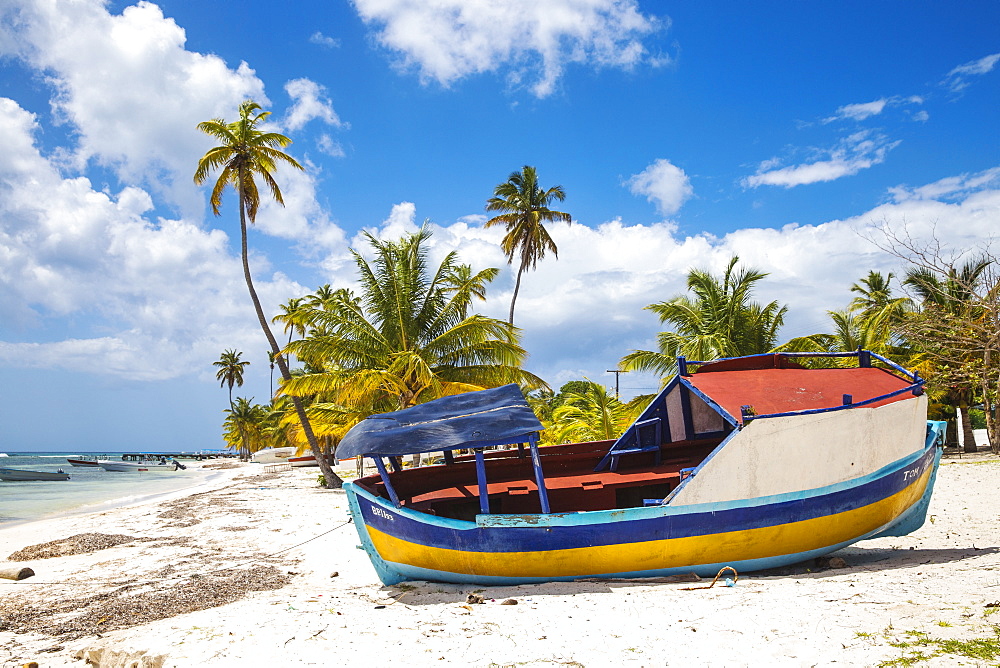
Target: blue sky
[683,133]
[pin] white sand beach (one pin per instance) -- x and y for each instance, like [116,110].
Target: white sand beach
[262,569]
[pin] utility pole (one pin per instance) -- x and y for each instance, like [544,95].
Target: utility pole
[617,373]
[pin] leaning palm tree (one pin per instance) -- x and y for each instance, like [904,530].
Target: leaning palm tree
[245,152]
[720,321]
[525,207]
[230,371]
[407,338]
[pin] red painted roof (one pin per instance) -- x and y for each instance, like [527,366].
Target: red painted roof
[785,390]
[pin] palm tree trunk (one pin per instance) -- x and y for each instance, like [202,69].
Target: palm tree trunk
[517,288]
[333,481]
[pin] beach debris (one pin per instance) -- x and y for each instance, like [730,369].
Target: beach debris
[104,656]
[16,573]
[79,544]
[474,599]
[30,664]
[509,601]
[830,562]
[335,574]
[136,603]
[994,604]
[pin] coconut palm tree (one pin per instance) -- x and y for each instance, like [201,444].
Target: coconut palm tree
[589,414]
[524,207]
[720,321]
[407,338]
[230,371]
[247,152]
[245,427]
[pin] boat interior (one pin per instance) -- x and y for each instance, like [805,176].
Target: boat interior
[571,481]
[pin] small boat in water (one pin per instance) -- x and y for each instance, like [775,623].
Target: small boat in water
[753,462]
[19,475]
[83,461]
[142,467]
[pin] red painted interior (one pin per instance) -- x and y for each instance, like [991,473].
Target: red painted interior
[570,480]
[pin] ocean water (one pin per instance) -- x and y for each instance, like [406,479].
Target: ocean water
[89,489]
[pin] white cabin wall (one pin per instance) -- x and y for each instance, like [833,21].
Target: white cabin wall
[791,454]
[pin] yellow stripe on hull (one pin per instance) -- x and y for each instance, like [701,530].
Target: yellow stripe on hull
[761,543]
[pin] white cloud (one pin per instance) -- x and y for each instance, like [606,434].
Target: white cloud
[664,184]
[144,299]
[323,40]
[330,146]
[958,78]
[951,188]
[128,87]
[859,151]
[447,40]
[309,102]
[864,110]
[860,111]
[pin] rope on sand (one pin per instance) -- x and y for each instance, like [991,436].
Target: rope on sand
[729,582]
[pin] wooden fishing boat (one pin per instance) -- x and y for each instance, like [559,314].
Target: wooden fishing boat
[752,462]
[20,475]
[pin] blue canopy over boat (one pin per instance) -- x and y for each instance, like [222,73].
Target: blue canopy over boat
[496,416]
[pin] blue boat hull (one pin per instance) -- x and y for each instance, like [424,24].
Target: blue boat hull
[748,535]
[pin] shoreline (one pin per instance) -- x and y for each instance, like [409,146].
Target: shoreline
[125,497]
[276,559]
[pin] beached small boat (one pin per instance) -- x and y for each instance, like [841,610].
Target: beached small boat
[141,467]
[753,462]
[19,475]
[310,460]
[272,455]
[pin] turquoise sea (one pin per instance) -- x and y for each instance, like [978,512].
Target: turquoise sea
[89,489]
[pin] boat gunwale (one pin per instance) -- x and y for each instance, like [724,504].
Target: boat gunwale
[613,515]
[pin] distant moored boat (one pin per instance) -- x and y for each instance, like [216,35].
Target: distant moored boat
[19,475]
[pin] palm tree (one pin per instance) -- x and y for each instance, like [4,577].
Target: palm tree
[589,414]
[230,371]
[406,339]
[720,321]
[245,151]
[525,207]
[245,427]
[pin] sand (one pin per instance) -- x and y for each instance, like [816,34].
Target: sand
[262,569]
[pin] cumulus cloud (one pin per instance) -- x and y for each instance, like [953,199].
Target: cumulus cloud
[154,299]
[128,88]
[664,184]
[451,39]
[958,79]
[617,269]
[859,151]
[309,102]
